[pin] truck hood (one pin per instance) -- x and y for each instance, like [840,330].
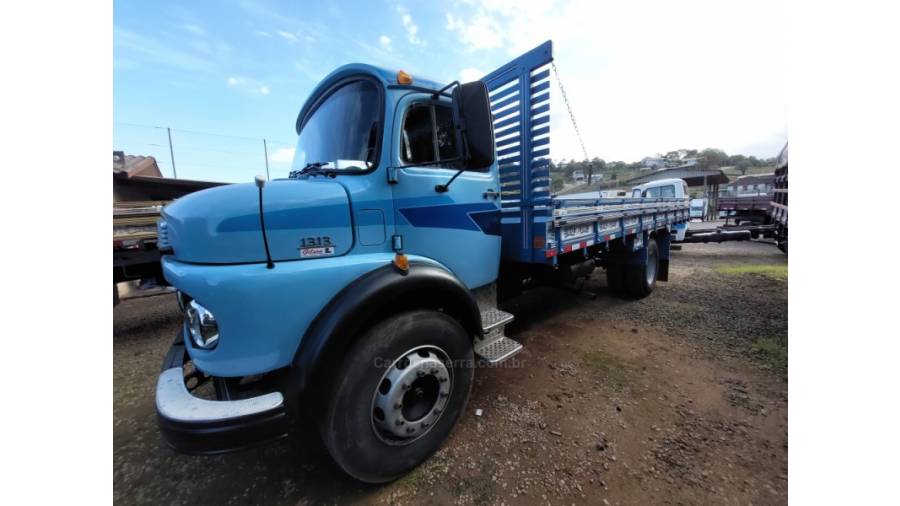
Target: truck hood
[221,225]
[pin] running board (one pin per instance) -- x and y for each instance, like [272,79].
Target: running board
[494,347]
[493,318]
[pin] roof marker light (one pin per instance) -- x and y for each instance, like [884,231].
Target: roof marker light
[404,78]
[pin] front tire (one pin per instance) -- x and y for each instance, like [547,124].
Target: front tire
[397,395]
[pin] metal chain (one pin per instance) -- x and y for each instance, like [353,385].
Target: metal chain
[571,114]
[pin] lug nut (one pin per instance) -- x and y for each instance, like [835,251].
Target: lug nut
[398,406]
[400,422]
[410,429]
[434,371]
[424,424]
[420,373]
[442,380]
[406,386]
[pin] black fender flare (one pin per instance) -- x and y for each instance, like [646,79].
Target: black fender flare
[376,294]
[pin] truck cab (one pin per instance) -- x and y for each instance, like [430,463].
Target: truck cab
[663,188]
[351,299]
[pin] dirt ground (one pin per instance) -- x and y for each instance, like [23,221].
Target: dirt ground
[679,398]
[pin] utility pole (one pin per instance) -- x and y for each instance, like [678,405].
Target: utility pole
[172,153]
[266,151]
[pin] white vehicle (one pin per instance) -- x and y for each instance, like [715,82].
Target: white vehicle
[664,188]
[698,208]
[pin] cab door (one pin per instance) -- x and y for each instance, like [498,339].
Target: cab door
[459,227]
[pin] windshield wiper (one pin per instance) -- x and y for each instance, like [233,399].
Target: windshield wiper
[310,168]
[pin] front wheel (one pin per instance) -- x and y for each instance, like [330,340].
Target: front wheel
[397,395]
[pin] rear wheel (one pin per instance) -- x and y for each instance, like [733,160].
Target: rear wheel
[641,279]
[397,395]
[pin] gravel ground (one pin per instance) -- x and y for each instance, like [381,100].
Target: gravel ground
[662,400]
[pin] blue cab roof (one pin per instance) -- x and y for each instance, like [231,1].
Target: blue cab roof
[386,76]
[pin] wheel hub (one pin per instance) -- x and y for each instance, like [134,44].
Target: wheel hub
[411,395]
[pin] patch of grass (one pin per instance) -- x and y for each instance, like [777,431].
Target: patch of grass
[776,271]
[606,368]
[774,352]
[416,479]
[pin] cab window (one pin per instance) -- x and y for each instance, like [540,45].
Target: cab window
[427,135]
[667,192]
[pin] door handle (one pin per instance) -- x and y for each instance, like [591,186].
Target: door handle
[491,194]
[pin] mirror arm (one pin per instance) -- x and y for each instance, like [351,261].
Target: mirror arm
[442,188]
[439,92]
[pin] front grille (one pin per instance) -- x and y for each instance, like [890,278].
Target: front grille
[162,232]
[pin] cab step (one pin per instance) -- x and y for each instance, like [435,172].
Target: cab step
[493,318]
[494,347]
[497,350]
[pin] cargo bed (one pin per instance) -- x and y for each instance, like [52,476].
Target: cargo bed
[536,227]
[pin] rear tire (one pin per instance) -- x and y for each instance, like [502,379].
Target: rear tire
[355,428]
[641,279]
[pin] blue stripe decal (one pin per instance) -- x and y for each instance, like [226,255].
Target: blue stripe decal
[488,221]
[484,217]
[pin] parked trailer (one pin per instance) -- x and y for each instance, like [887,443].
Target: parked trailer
[750,208]
[351,299]
[779,205]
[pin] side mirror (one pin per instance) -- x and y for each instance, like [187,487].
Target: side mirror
[474,123]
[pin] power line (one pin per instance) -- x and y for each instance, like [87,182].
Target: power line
[198,132]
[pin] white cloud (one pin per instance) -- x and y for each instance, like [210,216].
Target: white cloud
[247,85]
[282,155]
[288,36]
[262,33]
[482,32]
[470,74]
[385,42]
[412,29]
[150,51]
[647,78]
[195,29]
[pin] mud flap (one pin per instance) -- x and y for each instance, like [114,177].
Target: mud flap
[663,243]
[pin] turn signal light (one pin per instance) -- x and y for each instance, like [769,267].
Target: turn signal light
[404,78]
[401,262]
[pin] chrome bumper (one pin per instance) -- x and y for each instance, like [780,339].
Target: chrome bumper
[200,426]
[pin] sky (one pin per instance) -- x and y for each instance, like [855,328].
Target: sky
[642,77]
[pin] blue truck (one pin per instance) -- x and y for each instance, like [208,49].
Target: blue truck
[354,300]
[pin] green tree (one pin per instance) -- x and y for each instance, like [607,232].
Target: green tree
[557,184]
[711,158]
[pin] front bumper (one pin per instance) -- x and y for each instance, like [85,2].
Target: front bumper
[193,425]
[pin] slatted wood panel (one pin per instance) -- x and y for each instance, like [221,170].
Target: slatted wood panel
[520,105]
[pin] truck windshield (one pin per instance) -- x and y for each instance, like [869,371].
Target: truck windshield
[342,132]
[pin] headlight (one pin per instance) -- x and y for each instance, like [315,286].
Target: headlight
[202,325]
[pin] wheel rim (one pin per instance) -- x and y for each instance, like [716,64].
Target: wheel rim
[411,395]
[651,266]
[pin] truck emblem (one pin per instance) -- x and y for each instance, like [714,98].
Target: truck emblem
[311,247]
[316,252]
